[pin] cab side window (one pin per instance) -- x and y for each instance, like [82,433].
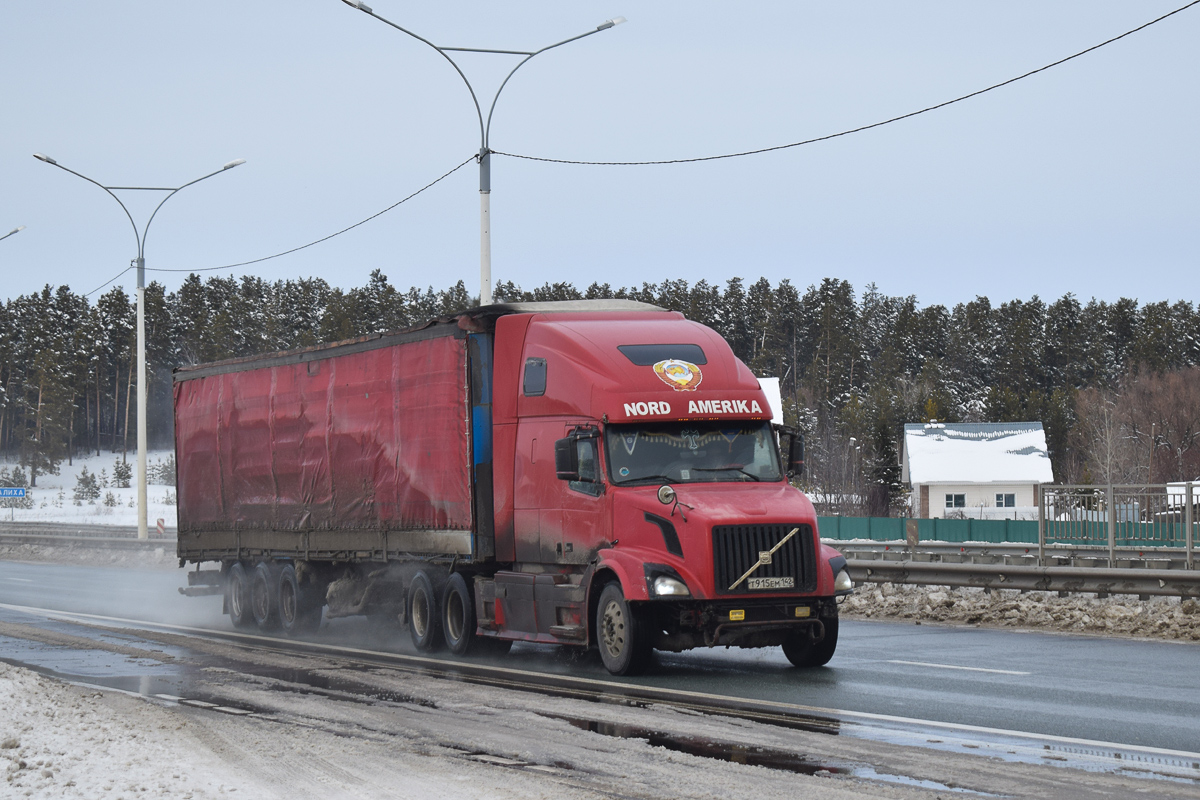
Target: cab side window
[534,383]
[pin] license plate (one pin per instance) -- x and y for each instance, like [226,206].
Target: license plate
[771,583]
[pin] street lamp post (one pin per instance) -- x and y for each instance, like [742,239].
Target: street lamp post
[485,127]
[140,263]
[17,229]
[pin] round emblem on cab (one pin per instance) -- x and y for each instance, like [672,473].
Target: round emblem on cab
[682,376]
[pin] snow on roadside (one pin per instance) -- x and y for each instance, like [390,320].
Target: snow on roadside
[69,741]
[1159,617]
[53,497]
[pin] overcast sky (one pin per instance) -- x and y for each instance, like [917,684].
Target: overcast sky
[1081,179]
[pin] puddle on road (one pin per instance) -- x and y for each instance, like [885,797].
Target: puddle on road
[293,680]
[750,755]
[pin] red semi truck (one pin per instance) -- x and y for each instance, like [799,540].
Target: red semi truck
[594,473]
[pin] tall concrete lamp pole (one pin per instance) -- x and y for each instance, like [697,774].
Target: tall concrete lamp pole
[485,127]
[140,263]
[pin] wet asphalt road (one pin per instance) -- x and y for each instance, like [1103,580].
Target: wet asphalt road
[1113,690]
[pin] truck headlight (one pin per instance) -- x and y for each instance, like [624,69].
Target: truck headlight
[842,582]
[666,586]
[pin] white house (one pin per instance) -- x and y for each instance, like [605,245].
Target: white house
[975,469]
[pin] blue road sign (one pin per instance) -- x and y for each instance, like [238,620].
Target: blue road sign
[11,492]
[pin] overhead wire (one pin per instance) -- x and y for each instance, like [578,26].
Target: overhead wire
[697,159]
[431,184]
[860,128]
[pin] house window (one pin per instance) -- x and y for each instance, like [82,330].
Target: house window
[956,501]
[1006,500]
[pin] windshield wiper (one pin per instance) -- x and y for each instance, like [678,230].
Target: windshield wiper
[660,478]
[726,469]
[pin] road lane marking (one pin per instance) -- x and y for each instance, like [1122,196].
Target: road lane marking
[20,580]
[955,666]
[532,678]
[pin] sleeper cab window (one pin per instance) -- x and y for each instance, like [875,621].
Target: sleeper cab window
[534,384]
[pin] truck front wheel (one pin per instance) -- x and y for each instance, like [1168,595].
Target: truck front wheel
[621,634]
[802,651]
[424,619]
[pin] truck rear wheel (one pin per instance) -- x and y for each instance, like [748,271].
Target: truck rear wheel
[264,597]
[802,651]
[237,596]
[458,615]
[424,618]
[299,611]
[621,634]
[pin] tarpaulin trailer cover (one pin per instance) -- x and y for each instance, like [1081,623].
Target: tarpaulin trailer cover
[356,450]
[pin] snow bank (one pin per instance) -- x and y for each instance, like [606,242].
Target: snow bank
[53,496]
[65,741]
[1159,617]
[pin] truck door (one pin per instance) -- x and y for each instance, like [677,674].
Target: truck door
[586,511]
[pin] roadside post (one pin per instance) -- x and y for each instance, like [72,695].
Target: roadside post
[1188,517]
[485,128]
[140,264]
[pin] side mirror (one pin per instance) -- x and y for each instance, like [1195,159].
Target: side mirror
[791,449]
[796,454]
[566,459]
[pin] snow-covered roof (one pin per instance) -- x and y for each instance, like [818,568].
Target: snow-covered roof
[976,452]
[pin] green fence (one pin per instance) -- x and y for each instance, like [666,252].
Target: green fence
[931,530]
[884,529]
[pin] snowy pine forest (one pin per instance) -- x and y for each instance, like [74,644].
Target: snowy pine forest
[1116,384]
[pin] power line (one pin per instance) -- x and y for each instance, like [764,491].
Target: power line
[861,127]
[303,246]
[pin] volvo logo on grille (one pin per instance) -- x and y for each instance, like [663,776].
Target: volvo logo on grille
[764,557]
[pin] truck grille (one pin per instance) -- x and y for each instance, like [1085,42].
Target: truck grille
[736,548]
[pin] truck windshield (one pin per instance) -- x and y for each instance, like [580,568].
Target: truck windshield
[691,452]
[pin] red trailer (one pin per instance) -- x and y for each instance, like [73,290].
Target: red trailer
[590,473]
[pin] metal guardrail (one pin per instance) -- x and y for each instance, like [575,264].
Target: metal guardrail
[81,535]
[78,529]
[1101,581]
[987,553]
[1063,568]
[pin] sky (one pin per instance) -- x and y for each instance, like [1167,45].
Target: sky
[1084,178]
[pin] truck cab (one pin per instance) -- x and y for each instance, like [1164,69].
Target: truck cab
[647,505]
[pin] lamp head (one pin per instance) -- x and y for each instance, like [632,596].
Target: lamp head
[234,163]
[359,4]
[46,158]
[608,23]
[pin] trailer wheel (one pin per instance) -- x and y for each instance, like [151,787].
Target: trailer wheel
[424,619]
[621,634]
[264,596]
[458,615]
[299,612]
[803,652]
[237,596]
